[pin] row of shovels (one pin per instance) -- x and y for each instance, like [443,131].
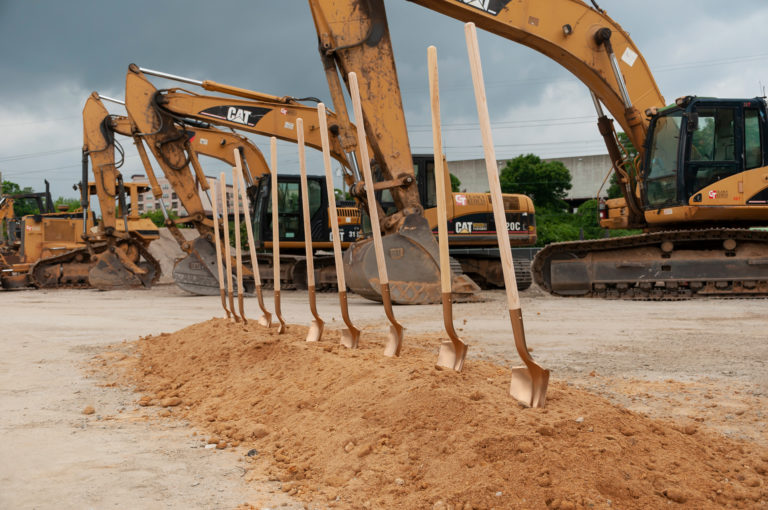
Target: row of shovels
[529,383]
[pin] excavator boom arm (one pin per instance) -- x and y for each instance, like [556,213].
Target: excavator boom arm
[572,33]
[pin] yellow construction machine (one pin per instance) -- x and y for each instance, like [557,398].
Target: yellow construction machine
[697,184]
[71,249]
[413,256]
[13,276]
[118,251]
[50,249]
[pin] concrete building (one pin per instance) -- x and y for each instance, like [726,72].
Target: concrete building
[587,174]
[147,202]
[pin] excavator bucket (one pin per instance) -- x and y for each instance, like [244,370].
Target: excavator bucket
[196,273]
[111,273]
[413,266]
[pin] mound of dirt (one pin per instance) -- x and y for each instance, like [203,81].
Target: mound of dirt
[353,429]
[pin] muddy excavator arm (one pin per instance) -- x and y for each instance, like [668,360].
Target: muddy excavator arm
[354,36]
[257,113]
[192,139]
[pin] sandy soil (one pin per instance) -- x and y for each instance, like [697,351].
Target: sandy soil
[699,362]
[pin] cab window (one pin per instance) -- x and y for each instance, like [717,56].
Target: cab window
[315,197]
[713,154]
[713,139]
[662,168]
[753,150]
[430,191]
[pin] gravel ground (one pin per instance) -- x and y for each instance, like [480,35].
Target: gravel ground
[701,360]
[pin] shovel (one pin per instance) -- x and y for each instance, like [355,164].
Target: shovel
[529,383]
[238,247]
[316,326]
[395,340]
[275,235]
[266,318]
[452,352]
[215,215]
[350,337]
[227,248]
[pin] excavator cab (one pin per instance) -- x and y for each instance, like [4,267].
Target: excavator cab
[290,214]
[698,151]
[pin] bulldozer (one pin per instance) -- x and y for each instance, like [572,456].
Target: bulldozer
[10,226]
[696,186]
[51,251]
[415,259]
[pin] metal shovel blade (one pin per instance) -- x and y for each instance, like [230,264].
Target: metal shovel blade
[394,341]
[529,386]
[266,317]
[395,337]
[109,273]
[528,383]
[316,326]
[196,273]
[350,338]
[451,355]
[452,351]
[315,330]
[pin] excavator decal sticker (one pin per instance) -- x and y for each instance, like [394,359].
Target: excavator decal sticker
[490,6]
[245,115]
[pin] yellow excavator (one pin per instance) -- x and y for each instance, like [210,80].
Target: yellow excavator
[196,273]
[118,251]
[414,255]
[72,249]
[697,184]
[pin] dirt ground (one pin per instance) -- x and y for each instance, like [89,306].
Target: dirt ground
[688,362]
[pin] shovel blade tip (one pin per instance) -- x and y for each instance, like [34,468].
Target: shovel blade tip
[527,388]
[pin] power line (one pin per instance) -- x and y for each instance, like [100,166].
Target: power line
[20,172]
[36,154]
[39,121]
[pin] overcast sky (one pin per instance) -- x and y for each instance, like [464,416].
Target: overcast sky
[54,53]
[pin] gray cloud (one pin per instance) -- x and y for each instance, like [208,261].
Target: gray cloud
[55,53]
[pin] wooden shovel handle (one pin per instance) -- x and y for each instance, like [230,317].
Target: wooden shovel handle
[305,203]
[275,222]
[323,122]
[499,217]
[238,245]
[247,214]
[354,92]
[227,248]
[437,143]
[217,239]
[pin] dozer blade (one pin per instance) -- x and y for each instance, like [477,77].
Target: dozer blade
[109,273]
[196,273]
[413,267]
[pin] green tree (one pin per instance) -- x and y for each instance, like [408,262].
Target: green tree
[614,189]
[342,195]
[628,145]
[72,203]
[455,184]
[547,183]
[20,207]
[158,219]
